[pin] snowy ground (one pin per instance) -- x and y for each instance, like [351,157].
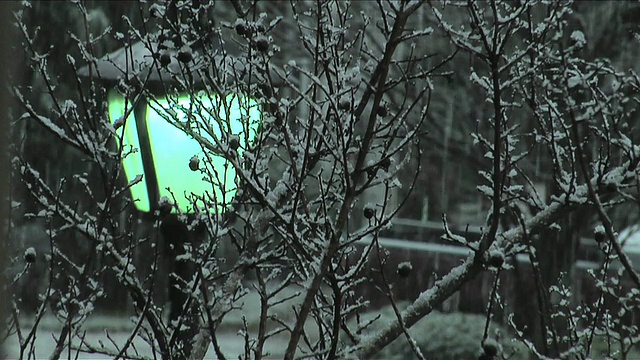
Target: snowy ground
[232,345]
[106,330]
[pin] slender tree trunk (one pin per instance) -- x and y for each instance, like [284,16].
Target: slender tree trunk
[6,63]
[182,313]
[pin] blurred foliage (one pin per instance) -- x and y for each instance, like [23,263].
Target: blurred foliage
[450,161]
[603,349]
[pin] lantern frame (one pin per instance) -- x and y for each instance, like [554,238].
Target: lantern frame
[136,113]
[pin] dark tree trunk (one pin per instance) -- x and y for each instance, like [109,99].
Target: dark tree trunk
[183,310]
[557,254]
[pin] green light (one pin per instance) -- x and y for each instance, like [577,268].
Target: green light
[171,148]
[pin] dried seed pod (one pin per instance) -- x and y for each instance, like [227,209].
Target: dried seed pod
[599,234]
[382,110]
[165,60]
[194,163]
[404,269]
[496,260]
[385,163]
[185,56]
[30,255]
[262,44]
[490,347]
[369,212]
[241,29]
[234,142]
[165,206]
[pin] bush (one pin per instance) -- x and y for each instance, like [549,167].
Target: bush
[601,348]
[442,336]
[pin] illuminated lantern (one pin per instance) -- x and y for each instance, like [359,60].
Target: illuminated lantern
[162,134]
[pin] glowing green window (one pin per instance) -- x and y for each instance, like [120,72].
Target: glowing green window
[206,115]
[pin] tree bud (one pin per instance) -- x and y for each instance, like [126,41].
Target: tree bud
[185,56]
[369,212]
[404,269]
[30,255]
[165,60]
[194,163]
[262,45]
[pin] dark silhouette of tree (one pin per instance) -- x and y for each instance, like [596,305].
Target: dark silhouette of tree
[365,107]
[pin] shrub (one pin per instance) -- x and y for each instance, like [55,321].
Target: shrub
[447,336]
